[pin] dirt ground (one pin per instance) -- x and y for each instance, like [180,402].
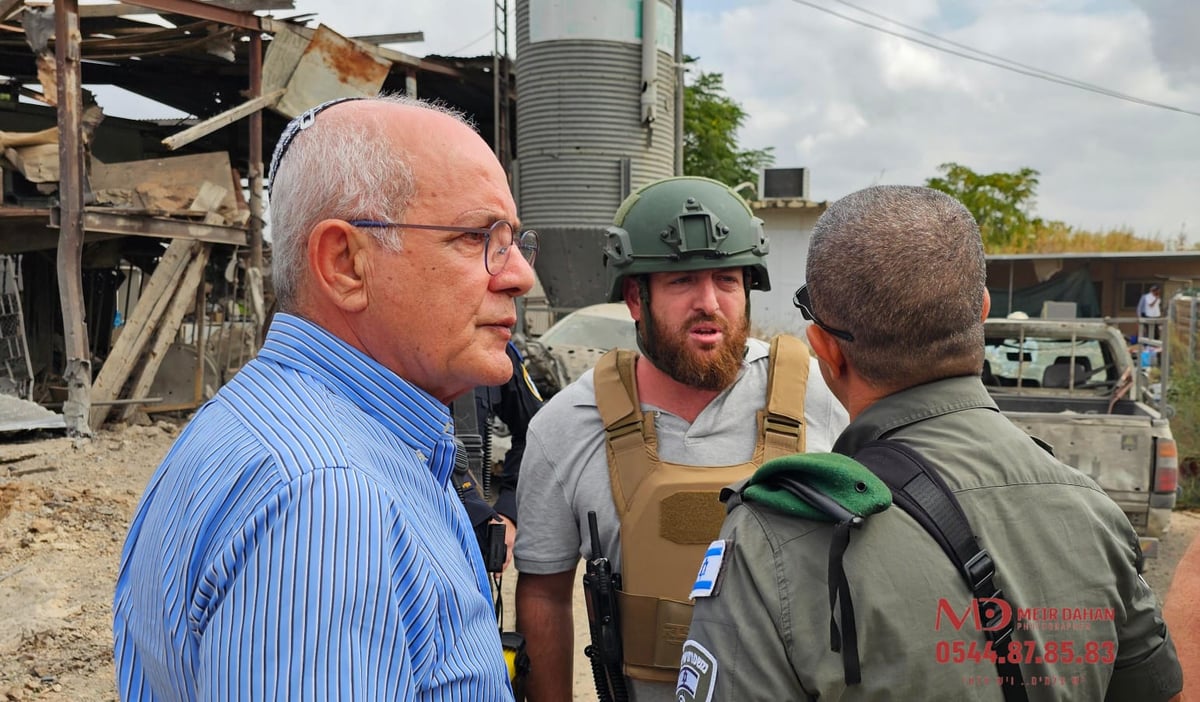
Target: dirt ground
[64,509]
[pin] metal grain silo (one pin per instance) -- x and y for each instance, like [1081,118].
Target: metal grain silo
[596,118]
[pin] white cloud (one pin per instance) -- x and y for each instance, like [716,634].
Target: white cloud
[858,106]
[891,111]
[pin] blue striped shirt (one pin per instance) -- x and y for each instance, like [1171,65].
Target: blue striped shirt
[301,541]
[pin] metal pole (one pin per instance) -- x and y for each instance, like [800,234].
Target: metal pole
[256,161]
[679,87]
[78,371]
[1011,265]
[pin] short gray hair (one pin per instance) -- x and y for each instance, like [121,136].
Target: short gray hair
[903,269]
[338,170]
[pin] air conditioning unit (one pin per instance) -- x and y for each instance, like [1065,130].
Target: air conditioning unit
[783,183]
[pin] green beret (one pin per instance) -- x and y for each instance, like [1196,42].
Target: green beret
[845,480]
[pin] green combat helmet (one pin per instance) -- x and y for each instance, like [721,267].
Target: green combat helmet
[684,224]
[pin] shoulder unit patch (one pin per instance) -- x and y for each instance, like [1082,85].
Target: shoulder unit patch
[697,674]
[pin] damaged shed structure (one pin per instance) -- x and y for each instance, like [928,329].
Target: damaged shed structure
[133,255]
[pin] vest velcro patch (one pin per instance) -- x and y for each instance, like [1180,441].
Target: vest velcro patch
[691,517]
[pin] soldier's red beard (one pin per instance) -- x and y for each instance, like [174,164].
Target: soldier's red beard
[673,352]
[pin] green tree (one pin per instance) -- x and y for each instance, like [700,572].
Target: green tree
[711,120]
[1001,202]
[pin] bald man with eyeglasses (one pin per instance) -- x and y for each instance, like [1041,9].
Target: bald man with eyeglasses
[302,540]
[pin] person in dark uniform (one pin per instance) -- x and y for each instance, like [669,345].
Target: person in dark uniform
[514,403]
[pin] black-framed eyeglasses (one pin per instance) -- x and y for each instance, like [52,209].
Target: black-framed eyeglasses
[804,303]
[498,239]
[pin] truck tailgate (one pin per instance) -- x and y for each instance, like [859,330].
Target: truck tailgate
[1114,450]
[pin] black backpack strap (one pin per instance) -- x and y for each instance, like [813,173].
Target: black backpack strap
[921,492]
[843,639]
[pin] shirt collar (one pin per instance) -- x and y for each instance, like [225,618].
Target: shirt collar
[911,406]
[416,417]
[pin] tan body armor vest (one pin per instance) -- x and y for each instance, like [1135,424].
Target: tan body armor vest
[670,513]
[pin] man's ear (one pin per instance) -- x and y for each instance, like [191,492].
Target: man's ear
[633,296]
[987,303]
[826,348]
[338,260]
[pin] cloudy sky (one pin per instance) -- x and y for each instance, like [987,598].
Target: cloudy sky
[858,106]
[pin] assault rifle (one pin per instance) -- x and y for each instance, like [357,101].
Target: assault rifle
[600,587]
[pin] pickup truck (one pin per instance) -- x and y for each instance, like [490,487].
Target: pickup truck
[1081,388]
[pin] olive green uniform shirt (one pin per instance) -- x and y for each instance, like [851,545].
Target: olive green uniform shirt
[1066,558]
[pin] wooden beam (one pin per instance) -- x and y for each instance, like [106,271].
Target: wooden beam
[255,140]
[77,373]
[8,8]
[183,299]
[116,9]
[224,119]
[396,38]
[144,225]
[204,10]
[139,328]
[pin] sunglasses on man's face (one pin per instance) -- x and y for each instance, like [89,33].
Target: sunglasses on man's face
[803,302]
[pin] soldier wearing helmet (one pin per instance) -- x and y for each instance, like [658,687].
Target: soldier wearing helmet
[646,441]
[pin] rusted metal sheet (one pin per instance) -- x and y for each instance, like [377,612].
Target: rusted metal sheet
[332,66]
[273,26]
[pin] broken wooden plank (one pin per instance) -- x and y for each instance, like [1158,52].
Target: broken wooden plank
[8,8]
[39,164]
[209,198]
[95,221]
[170,183]
[394,38]
[283,53]
[224,119]
[151,304]
[45,136]
[181,302]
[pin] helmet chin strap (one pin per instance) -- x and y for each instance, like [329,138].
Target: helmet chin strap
[646,340]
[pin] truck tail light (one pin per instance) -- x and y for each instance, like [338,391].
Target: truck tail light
[1166,466]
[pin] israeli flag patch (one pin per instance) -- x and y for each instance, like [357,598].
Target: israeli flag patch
[710,570]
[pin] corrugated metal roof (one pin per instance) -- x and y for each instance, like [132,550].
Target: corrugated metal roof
[1175,255]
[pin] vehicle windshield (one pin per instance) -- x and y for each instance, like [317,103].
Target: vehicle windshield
[601,333]
[1046,362]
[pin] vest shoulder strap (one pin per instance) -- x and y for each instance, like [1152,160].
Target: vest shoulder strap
[919,490]
[781,422]
[629,435]
[616,394]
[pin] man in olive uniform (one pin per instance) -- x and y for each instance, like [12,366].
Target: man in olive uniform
[895,292]
[646,441]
